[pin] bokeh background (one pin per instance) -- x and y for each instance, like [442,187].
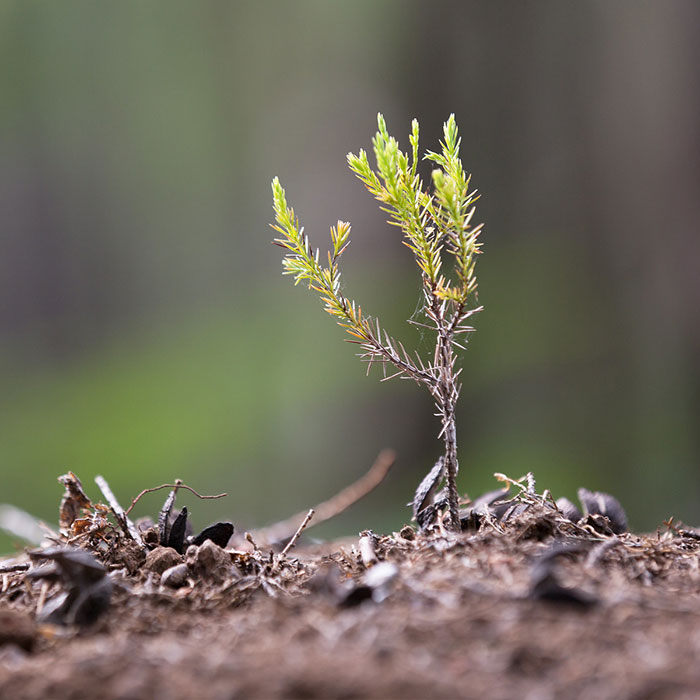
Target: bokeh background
[147,333]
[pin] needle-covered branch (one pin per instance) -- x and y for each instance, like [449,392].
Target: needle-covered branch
[303,263]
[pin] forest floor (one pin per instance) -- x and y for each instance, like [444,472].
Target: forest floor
[530,607]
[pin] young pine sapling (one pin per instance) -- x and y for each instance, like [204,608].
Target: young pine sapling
[436,225]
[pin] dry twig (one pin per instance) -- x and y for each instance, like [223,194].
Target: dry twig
[124,522]
[367,551]
[19,523]
[13,567]
[335,505]
[178,485]
[297,534]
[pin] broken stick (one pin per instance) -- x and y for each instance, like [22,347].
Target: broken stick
[297,534]
[278,532]
[122,518]
[18,523]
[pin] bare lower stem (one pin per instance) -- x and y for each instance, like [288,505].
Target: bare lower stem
[451,469]
[446,394]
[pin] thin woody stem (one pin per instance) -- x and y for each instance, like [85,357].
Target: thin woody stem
[451,468]
[446,394]
[449,427]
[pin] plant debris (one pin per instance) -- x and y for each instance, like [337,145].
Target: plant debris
[73,504]
[88,589]
[21,524]
[285,529]
[598,503]
[174,529]
[425,493]
[546,585]
[527,601]
[601,511]
[122,518]
[17,628]
[219,534]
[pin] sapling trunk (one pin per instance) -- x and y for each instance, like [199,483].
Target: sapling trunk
[433,223]
[448,394]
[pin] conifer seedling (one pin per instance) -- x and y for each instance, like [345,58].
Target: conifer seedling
[436,226]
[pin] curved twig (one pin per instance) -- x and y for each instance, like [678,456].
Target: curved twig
[171,486]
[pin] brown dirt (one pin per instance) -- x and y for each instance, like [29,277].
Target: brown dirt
[533,608]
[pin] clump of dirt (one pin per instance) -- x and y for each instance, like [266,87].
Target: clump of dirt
[525,605]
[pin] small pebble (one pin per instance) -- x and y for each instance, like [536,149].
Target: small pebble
[407,533]
[175,576]
[209,561]
[17,628]
[380,578]
[130,556]
[161,558]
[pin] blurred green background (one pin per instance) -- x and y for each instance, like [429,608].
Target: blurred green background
[147,333]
